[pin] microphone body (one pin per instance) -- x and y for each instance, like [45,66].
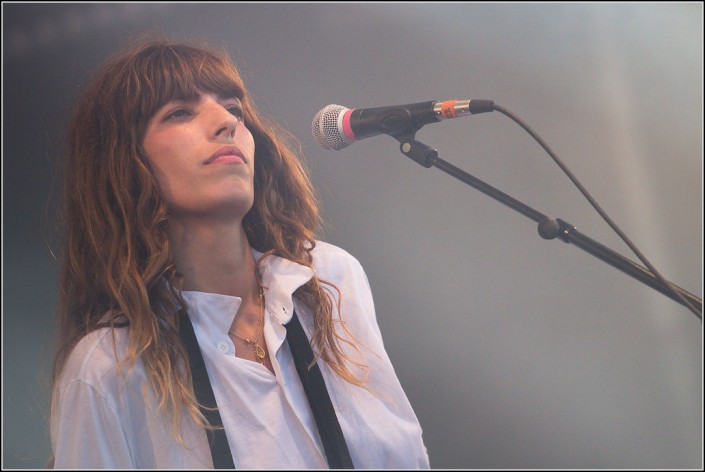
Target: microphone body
[335,126]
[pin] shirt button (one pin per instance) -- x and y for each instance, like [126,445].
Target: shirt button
[223,346]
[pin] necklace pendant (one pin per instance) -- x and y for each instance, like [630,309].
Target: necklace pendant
[259,353]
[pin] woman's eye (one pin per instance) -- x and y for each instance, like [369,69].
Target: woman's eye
[181,113]
[236,112]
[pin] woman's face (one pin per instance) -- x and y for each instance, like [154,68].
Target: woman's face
[202,155]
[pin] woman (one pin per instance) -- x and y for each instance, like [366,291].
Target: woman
[179,198]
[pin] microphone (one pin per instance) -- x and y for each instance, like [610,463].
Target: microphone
[335,126]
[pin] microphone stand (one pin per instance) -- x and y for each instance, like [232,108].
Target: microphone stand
[548,228]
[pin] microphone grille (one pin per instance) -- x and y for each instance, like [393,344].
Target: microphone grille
[327,127]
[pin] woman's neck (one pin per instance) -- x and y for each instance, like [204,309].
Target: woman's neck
[214,258]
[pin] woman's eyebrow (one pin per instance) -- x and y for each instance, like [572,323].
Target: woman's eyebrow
[195,98]
[229,97]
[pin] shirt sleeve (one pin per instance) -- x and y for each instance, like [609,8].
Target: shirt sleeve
[87,432]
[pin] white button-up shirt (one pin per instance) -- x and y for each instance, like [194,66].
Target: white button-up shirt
[104,419]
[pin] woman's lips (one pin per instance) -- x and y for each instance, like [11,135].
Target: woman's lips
[226,154]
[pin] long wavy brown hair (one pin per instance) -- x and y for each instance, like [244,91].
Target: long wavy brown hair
[116,256]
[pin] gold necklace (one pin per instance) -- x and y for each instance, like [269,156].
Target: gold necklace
[258,350]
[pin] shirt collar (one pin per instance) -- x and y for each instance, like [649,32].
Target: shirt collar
[213,313]
[281,278]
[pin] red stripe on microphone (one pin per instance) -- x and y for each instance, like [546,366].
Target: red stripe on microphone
[347,129]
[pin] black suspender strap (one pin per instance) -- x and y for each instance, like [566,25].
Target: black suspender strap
[217,440]
[318,398]
[315,387]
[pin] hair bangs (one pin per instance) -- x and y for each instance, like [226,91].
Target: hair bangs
[176,72]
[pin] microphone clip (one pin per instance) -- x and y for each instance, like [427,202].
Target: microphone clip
[418,151]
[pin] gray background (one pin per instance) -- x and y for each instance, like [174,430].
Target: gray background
[514,351]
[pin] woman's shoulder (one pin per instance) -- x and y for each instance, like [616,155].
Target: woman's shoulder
[339,267]
[95,357]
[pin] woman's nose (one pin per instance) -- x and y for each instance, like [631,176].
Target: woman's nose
[225,124]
